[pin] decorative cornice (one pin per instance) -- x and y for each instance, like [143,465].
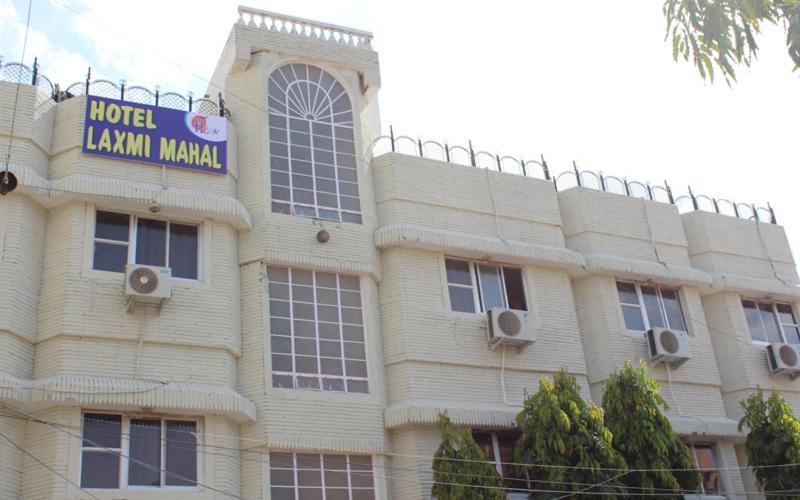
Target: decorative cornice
[418,411]
[304,442]
[68,390]
[623,267]
[712,427]
[470,245]
[333,264]
[95,188]
[747,285]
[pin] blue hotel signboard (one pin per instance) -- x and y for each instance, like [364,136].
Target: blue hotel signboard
[140,132]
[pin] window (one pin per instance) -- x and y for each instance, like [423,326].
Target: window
[650,306]
[120,239]
[316,331]
[706,462]
[315,476]
[120,451]
[312,151]
[475,287]
[501,444]
[771,322]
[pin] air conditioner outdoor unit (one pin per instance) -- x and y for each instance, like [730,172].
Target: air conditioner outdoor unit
[509,327]
[147,284]
[668,346]
[783,358]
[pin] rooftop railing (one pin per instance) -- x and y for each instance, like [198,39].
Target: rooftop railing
[31,75]
[326,32]
[538,168]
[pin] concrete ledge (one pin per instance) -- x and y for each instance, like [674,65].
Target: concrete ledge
[294,259]
[417,411]
[131,195]
[746,285]
[623,267]
[473,246]
[66,390]
[712,427]
[295,442]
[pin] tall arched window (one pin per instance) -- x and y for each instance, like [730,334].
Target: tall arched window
[312,152]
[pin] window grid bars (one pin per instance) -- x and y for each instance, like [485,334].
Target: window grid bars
[643,309]
[296,487]
[781,324]
[345,378]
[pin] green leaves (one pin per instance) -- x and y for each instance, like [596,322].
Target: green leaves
[565,441]
[460,468]
[773,441]
[644,436]
[721,34]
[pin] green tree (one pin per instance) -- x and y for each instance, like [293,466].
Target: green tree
[773,442]
[722,33]
[644,436]
[565,443]
[460,468]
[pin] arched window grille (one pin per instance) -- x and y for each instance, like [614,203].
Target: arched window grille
[312,151]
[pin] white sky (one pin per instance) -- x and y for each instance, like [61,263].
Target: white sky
[581,80]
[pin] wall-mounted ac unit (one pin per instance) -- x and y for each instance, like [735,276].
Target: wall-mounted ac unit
[783,358]
[668,346]
[147,284]
[509,327]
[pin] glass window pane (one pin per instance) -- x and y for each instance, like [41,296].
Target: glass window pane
[652,307]
[101,430]
[706,463]
[627,293]
[462,299]
[491,287]
[785,314]
[633,318]
[458,272]
[144,465]
[183,251]
[484,440]
[100,469]
[792,334]
[515,290]
[111,226]
[673,307]
[754,321]
[770,323]
[181,453]
[151,242]
[109,257]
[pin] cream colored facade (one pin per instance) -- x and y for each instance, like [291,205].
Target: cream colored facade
[68,346]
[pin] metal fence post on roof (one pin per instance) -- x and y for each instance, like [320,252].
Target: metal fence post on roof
[447,152]
[755,212]
[522,164]
[669,193]
[716,205]
[577,173]
[191,100]
[694,199]
[122,90]
[649,191]
[499,167]
[419,143]
[35,74]
[627,187]
[471,154]
[88,79]
[221,104]
[771,214]
[602,181]
[391,137]
[544,167]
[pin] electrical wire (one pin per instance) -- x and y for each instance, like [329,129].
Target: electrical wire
[35,459]
[16,96]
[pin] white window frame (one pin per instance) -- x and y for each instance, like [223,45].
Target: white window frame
[721,493]
[124,452]
[774,306]
[341,324]
[132,242]
[322,470]
[291,99]
[477,293]
[643,309]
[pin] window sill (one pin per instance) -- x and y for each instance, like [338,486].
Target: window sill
[119,277]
